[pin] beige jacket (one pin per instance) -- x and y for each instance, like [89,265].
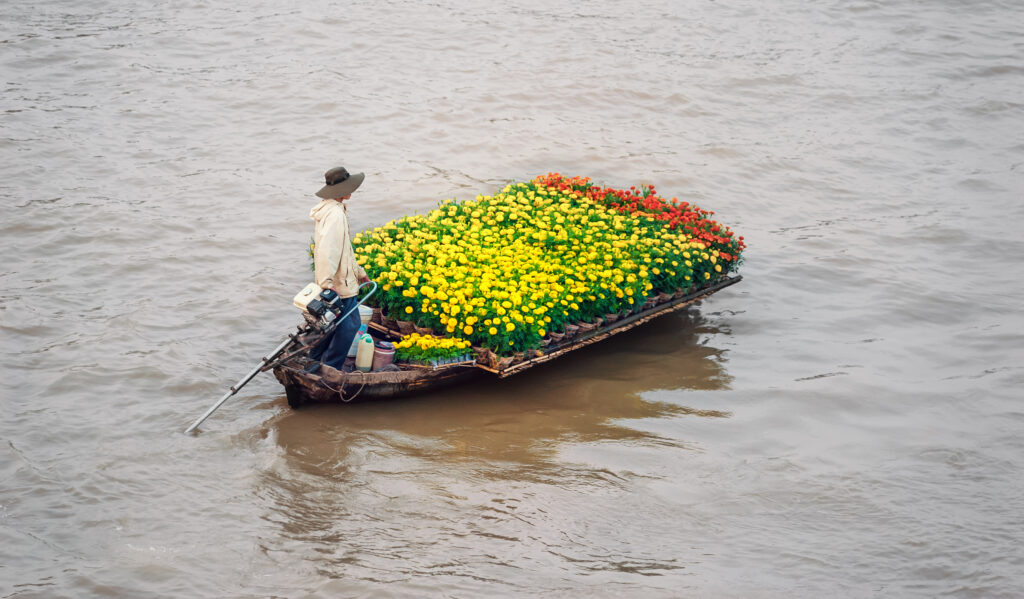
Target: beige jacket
[334,259]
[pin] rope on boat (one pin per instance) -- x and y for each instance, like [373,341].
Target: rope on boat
[341,389]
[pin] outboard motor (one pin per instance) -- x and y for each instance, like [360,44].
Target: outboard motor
[322,307]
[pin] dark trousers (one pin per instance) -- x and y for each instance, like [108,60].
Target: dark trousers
[333,350]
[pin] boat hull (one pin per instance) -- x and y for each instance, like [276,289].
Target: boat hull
[333,386]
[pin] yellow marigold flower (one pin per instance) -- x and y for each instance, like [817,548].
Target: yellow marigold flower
[492,331]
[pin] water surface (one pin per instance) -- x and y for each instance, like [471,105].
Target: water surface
[844,422]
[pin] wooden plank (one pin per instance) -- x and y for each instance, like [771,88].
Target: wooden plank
[383,330]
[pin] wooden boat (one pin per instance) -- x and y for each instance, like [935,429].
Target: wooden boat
[329,385]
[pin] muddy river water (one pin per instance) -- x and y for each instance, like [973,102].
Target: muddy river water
[846,421]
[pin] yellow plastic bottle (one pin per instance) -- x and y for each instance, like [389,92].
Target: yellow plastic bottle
[364,355]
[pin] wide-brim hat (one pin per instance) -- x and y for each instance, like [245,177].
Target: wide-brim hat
[339,183]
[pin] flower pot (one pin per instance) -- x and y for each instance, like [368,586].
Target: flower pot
[556,337]
[611,317]
[406,327]
[388,322]
[664,297]
[571,330]
[505,362]
[586,327]
[423,330]
[487,358]
[376,318]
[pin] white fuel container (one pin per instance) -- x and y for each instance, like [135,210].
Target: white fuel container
[364,355]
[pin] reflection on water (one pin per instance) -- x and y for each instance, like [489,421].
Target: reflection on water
[586,395]
[361,471]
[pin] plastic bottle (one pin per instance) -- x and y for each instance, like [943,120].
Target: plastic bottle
[355,341]
[364,355]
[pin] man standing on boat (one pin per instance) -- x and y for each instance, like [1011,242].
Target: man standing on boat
[335,261]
